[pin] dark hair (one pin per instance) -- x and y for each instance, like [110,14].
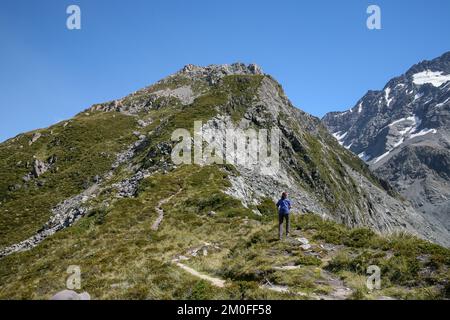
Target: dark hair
[284,195]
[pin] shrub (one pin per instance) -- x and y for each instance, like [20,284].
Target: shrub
[360,237]
[267,207]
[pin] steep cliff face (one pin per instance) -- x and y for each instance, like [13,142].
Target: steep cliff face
[403,133]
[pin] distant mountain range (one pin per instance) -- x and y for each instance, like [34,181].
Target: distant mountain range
[403,133]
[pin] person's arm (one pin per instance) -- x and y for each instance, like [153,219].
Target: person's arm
[278,203]
[289,203]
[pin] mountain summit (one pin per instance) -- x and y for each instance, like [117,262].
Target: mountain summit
[403,133]
[101,191]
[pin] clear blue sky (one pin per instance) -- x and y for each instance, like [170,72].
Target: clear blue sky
[320,51]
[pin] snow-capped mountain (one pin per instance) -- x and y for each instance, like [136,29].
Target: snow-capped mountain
[403,133]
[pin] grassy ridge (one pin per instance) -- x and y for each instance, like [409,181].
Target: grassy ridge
[84,148]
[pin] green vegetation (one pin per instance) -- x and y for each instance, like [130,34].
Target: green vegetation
[266,207]
[120,257]
[329,179]
[242,90]
[83,148]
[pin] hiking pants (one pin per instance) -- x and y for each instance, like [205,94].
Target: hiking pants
[281,217]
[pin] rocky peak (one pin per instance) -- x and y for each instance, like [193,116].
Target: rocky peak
[184,86]
[220,70]
[212,74]
[408,107]
[441,64]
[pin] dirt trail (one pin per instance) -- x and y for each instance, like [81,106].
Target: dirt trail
[160,210]
[340,291]
[202,249]
[214,281]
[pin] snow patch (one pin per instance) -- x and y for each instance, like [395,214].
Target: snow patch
[339,137]
[382,156]
[422,133]
[411,118]
[407,131]
[398,143]
[418,96]
[442,103]
[363,156]
[386,96]
[436,78]
[405,127]
[428,101]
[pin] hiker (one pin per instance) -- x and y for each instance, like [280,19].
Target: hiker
[284,207]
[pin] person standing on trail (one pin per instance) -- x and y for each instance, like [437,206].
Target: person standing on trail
[284,207]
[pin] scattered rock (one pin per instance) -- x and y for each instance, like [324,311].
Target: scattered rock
[121,285]
[305,246]
[181,258]
[287,268]
[34,138]
[71,295]
[385,298]
[276,288]
[128,154]
[127,188]
[144,123]
[39,168]
[257,212]
[303,240]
